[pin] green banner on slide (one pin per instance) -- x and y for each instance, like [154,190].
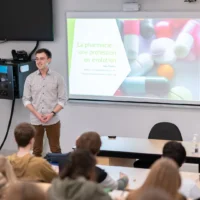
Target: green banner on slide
[70,40]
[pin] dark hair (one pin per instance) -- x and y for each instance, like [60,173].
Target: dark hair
[24,132]
[175,151]
[46,51]
[81,163]
[90,141]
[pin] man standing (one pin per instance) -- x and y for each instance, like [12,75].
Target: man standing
[44,96]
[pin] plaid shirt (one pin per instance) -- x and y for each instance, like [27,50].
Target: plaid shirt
[44,94]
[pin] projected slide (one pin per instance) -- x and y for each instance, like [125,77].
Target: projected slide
[156,60]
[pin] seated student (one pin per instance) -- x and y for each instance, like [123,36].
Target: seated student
[154,194]
[164,175]
[176,151]
[25,165]
[77,180]
[91,141]
[7,176]
[24,191]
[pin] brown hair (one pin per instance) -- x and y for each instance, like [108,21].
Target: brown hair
[164,175]
[81,163]
[46,51]
[24,132]
[24,191]
[90,141]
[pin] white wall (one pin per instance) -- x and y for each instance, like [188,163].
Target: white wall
[106,119]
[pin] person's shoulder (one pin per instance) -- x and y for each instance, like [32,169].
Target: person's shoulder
[38,160]
[33,74]
[55,73]
[11,157]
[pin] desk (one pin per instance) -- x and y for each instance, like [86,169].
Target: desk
[137,148]
[137,176]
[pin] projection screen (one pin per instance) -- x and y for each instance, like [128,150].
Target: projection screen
[134,57]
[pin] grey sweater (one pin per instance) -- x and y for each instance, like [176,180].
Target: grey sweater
[78,189]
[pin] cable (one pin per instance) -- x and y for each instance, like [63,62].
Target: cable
[32,52]
[9,123]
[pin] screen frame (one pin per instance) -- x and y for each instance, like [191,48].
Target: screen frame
[25,38]
[128,100]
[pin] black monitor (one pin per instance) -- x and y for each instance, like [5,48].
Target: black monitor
[27,20]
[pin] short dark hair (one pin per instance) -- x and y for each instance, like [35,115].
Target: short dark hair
[90,141]
[176,151]
[81,163]
[46,51]
[24,132]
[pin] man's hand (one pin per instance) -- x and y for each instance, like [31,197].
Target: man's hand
[41,117]
[121,175]
[47,117]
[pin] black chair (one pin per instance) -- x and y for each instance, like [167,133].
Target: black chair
[165,131]
[160,131]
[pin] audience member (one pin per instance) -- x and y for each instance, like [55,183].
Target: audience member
[76,181]
[163,175]
[7,176]
[176,151]
[154,194]
[91,141]
[24,191]
[25,165]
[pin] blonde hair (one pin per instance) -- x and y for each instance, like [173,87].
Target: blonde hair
[7,170]
[154,194]
[7,175]
[24,191]
[164,175]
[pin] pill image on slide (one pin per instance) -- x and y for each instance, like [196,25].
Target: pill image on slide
[162,51]
[178,23]
[180,93]
[166,71]
[118,93]
[131,38]
[192,56]
[142,65]
[163,29]
[147,30]
[186,39]
[145,85]
[120,25]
